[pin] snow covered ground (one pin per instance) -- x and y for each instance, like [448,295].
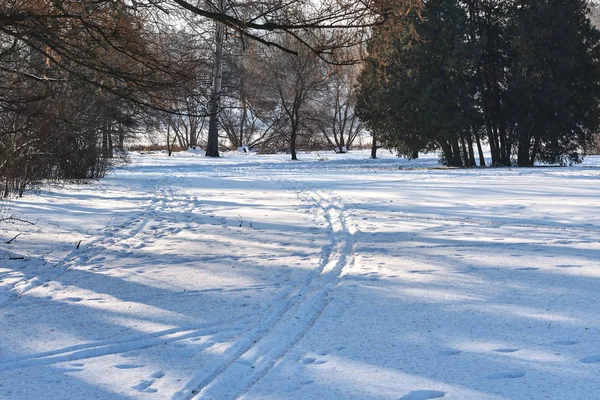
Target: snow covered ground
[336,277]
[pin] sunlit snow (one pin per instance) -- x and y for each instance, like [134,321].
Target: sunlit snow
[335,277]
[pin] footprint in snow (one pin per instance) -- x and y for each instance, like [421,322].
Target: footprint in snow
[595,359]
[565,342]
[309,360]
[506,350]
[450,352]
[128,366]
[507,375]
[423,395]
[144,386]
[67,370]
[423,271]
[74,299]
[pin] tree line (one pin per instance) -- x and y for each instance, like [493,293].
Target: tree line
[268,99]
[521,75]
[78,77]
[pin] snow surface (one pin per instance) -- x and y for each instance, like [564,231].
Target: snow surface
[335,277]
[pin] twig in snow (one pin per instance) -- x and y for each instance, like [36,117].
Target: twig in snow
[46,253]
[111,218]
[16,219]
[11,257]
[78,244]
[11,240]
[240,220]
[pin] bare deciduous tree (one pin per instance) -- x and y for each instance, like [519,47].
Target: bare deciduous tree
[333,114]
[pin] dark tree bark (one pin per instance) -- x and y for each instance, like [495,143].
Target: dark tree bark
[212,146]
[374,147]
[480,150]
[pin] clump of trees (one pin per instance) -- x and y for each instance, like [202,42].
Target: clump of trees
[78,76]
[522,75]
[271,99]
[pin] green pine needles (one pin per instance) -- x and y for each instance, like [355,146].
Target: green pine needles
[523,76]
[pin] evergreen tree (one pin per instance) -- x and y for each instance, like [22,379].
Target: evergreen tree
[425,87]
[524,74]
[554,80]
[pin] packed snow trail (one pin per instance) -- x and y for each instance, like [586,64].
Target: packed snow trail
[337,277]
[109,236]
[272,339]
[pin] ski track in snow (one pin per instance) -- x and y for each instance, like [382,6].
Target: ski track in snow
[253,356]
[493,224]
[148,223]
[280,327]
[108,347]
[110,236]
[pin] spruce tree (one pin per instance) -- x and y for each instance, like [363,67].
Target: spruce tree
[423,100]
[524,74]
[554,81]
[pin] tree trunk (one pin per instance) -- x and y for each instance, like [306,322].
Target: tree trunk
[447,150]
[480,150]
[121,138]
[523,151]
[374,147]
[472,162]
[243,124]
[505,146]
[465,154]
[536,144]
[104,143]
[293,144]
[110,143]
[342,146]
[457,161]
[169,143]
[212,147]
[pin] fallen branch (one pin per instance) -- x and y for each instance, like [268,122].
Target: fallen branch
[11,240]
[11,257]
[15,219]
